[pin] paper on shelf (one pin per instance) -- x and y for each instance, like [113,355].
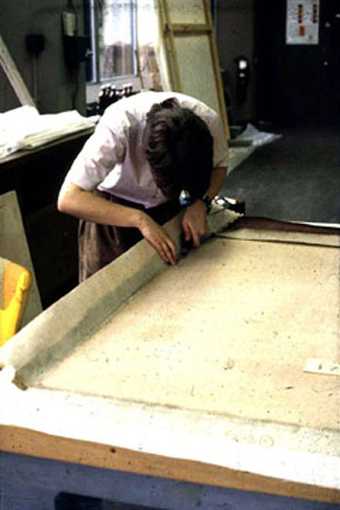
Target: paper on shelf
[25,128]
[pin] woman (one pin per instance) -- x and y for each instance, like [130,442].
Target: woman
[126,181]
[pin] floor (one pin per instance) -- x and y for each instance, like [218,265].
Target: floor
[295,178]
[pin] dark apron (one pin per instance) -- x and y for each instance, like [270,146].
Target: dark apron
[101,244]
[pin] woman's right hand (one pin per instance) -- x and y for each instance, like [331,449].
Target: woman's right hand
[158,238]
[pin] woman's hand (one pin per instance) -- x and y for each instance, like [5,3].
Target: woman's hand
[194,222]
[158,238]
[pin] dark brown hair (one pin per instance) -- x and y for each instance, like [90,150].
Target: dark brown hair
[179,149]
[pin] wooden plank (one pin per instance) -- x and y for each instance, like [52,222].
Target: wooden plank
[10,69]
[328,239]
[50,477]
[169,41]
[37,444]
[217,69]
[189,28]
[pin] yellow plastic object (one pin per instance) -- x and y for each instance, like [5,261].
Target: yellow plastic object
[16,281]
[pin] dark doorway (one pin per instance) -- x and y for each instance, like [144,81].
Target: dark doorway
[297,84]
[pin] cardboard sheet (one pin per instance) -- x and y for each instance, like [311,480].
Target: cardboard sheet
[14,247]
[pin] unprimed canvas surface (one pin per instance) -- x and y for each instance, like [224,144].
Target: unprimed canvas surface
[227,331]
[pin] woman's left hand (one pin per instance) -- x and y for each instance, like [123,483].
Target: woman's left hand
[194,222]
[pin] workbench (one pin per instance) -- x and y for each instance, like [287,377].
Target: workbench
[187,386]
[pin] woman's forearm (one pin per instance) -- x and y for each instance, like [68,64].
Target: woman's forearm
[91,207]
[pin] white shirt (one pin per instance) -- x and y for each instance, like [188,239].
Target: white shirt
[113,158]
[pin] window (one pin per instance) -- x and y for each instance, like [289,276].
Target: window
[111,25]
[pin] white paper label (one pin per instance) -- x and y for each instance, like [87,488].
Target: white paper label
[302,22]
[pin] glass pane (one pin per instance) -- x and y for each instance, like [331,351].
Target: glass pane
[148,38]
[116,40]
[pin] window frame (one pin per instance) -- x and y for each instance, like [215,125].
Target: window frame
[93,85]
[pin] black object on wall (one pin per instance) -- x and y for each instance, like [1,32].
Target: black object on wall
[242,72]
[297,84]
[76,47]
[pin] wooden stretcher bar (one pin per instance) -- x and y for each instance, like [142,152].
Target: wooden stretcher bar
[11,71]
[188,27]
[62,449]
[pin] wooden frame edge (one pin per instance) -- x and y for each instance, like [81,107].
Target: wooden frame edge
[38,444]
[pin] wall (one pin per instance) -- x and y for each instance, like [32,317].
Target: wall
[56,85]
[299,84]
[234,24]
